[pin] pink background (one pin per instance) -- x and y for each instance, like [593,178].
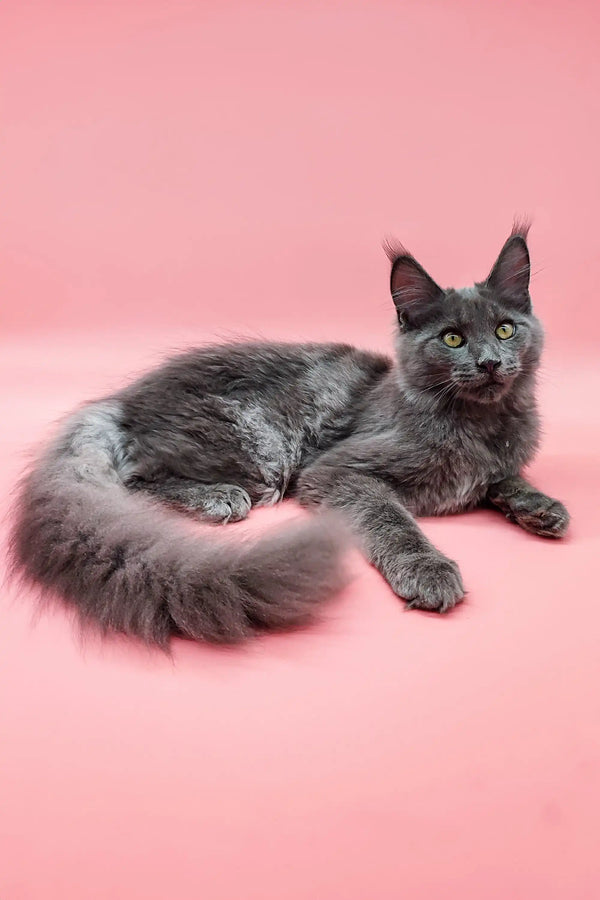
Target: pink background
[178,171]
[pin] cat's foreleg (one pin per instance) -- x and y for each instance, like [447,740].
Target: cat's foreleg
[390,537]
[526,506]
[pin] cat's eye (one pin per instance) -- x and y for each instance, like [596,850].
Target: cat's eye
[452,339]
[505,331]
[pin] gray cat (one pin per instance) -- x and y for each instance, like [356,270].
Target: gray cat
[220,429]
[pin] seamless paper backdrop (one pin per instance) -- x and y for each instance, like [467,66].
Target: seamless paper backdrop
[178,171]
[199,163]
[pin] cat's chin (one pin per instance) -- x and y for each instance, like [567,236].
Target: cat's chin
[487,392]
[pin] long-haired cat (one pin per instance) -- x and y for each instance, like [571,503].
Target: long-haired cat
[447,426]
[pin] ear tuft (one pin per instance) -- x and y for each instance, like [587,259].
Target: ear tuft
[393,249]
[414,292]
[511,272]
[521,226]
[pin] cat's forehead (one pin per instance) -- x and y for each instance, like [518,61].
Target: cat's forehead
[470,305]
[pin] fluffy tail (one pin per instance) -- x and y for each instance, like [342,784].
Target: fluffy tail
[128,564]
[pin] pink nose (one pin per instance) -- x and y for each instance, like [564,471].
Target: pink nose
[489,365]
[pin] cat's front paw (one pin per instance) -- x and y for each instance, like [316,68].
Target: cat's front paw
[429,581]
[540,515]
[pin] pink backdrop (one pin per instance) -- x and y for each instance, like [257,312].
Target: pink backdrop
[175,171]
[200,163]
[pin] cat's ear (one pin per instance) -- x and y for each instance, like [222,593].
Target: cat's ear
[509,278]
[415,294]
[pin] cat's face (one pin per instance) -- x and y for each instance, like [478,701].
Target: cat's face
[472,343]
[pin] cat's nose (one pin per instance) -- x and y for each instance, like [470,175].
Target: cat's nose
[489,365]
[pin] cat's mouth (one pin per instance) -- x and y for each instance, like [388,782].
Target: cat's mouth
[487,388]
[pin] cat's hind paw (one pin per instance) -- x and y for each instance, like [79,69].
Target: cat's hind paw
[223,503]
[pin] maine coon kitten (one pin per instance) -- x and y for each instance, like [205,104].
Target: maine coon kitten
[448,426]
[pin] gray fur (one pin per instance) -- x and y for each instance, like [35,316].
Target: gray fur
[220,429]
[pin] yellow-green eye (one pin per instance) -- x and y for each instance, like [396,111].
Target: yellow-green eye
[452,339]
[505,331]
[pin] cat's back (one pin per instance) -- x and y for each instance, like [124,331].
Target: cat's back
[282,374]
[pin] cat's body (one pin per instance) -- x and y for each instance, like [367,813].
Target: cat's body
[250,414]
[220,429]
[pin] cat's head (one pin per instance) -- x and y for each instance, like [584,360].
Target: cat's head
[473,343]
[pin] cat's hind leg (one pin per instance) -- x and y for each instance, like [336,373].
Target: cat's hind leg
[216,504]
